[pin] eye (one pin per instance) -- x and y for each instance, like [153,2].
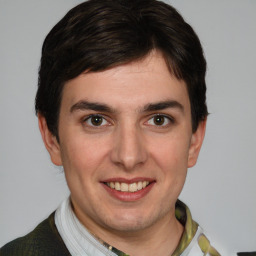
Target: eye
[96,120]
[160,120]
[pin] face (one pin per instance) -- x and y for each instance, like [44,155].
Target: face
[125,142]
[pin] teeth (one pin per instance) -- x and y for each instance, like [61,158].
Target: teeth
[139,186]
[125,187]
[112,184]
[133,187]
[117,186]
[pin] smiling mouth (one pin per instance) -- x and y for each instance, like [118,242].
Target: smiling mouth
[125,187]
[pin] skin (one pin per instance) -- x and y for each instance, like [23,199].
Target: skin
[127,144]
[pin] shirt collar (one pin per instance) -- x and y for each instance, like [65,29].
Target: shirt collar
[75,236]
[80,241]
[183,215]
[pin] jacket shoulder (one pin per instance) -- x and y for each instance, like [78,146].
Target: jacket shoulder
[43,240]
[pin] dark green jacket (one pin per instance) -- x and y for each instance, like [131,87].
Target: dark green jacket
[44,240]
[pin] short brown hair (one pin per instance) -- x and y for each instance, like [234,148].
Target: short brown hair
[100,34]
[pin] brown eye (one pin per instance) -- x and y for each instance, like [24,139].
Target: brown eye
[95,120]
[159,120]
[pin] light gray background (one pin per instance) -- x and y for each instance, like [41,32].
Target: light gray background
[220,190]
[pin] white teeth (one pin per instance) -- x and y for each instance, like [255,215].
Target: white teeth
[112,185]
[139,186]
[133,187]
[117,186]
[145,183]
[125,187]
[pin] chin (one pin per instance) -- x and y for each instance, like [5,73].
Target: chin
[129,222]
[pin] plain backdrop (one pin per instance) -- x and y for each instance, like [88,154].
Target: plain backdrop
[220,190]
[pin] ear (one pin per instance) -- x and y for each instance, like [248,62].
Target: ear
[196,143]
[50,141]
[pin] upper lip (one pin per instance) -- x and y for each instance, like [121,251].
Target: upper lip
[128,181]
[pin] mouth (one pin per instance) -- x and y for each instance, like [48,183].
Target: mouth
[127,187]
[128,190]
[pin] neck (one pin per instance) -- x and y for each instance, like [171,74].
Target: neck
[161,238]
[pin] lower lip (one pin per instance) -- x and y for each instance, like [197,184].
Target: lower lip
[129,196]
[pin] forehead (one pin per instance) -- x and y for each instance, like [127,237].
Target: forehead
[131,85]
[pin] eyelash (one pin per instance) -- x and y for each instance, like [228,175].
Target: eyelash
[89,119]
[167,119]
[105,122]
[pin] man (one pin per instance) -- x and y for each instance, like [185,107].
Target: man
[121,106]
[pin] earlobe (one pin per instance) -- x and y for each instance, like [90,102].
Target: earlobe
[196,143]
[50,141]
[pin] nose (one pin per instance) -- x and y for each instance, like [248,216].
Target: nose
[129,148]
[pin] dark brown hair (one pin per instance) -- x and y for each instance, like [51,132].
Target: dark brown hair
[100,34]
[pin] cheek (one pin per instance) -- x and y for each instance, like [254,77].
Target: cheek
[172,155]
[82,155]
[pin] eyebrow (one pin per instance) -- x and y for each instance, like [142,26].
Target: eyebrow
[86,105]
[163,105]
